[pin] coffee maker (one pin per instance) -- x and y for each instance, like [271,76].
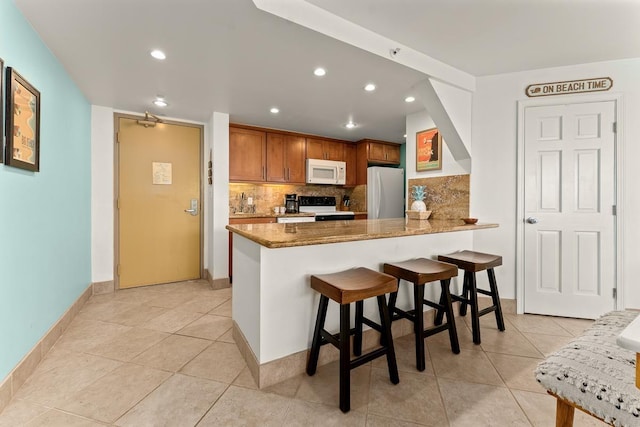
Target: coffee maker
[291,203]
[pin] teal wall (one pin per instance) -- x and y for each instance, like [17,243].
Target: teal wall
[45,217]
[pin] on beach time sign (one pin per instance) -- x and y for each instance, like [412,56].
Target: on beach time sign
[572,86]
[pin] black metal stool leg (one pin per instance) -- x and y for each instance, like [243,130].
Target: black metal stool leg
[345,357]
[473,296]
[496,298]
[312,363]
[357,338]
[465,295]
[385,324]
[451,321]
[418,325]
[393,296]
[440,312]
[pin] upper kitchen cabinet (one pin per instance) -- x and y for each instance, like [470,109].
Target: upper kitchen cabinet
[285,158]
[247,154]
[351,158]
[324,149]
[380,152]
[372,152]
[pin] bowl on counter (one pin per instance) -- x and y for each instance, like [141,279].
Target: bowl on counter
[470,220]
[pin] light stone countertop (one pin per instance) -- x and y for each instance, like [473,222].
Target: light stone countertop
[323,232]
[239,215]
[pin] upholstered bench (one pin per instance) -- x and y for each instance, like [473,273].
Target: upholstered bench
[594,374]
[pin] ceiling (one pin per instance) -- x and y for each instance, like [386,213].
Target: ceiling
[228,56]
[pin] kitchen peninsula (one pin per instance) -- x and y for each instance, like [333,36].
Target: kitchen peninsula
[274,307]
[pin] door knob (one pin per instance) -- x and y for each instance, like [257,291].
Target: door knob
[532,220]
[194,207]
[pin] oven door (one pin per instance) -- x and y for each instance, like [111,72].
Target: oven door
[335,217]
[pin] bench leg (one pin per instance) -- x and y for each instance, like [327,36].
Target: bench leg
[564,414]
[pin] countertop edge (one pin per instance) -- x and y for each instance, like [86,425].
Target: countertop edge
[345,238]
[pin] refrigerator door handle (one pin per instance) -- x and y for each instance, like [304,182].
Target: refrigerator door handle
[379,195]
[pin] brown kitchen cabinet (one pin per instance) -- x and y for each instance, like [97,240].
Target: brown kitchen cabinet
[247,155]
[235,221]
[324,149]
[382,152]
[361,216]
[351,159]
[372,152]
[285,158]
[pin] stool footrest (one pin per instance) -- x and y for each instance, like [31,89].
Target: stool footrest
[368,357]
[486,310]
[328,338]
[484,292]
[434,330]
[371,324]
[401,314]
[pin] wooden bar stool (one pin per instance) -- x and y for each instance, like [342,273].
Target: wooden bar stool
[472,262]
[419,272]
[345,287]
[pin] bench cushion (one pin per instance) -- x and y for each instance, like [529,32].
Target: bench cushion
[596,374]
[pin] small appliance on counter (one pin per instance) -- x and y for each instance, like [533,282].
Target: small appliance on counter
[290,203]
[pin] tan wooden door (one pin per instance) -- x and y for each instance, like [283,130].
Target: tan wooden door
[159,214]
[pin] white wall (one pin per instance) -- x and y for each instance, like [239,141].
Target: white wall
[219,130]
[457,102]
[493,182]
[102,200]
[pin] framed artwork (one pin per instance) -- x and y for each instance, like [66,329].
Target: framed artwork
[428,150]
[1,111]
[22,123]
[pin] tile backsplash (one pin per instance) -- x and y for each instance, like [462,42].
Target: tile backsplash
[447,196]
[266,196]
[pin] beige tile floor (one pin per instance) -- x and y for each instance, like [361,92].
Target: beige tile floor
[165,356]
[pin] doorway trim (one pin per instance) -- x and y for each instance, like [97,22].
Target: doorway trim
[619,185]
[116,191]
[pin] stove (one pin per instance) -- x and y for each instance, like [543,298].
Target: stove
[324,207]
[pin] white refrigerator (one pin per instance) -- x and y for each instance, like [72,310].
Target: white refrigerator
[385,192]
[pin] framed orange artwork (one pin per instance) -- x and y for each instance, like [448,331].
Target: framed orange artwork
[22,123]
[428,150]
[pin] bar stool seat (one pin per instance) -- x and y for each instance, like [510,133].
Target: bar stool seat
[345,287]
[472,262]
[419,272]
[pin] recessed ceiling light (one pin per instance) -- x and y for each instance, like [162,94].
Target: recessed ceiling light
[405,135]
[160,102]
[350,125]
[370,87]
[158,54]
[274,110]
[319,72]
[409,99]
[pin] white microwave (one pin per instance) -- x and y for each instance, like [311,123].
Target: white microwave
[326,172]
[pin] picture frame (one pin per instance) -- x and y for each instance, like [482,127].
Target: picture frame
[428,150]
[22,123]
[1,110]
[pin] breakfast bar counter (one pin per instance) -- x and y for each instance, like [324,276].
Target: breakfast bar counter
[317,233]
[273,304]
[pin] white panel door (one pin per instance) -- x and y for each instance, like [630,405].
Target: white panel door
[569,232]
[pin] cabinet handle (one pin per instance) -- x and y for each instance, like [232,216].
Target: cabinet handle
[263,173]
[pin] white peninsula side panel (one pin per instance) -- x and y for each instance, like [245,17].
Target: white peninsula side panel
[274,305]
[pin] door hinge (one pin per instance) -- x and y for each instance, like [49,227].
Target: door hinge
[118,203]
[615,293]
[614,210]
[118,137]
[615,127]
[118,270]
